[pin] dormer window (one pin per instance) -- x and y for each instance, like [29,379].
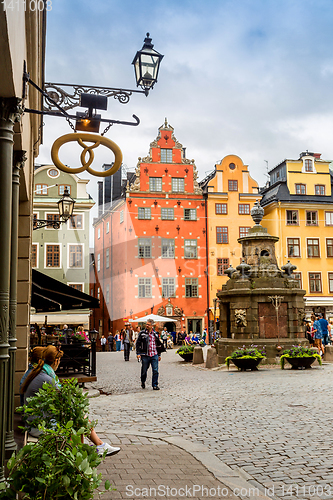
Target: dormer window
[308,165]
[166,155]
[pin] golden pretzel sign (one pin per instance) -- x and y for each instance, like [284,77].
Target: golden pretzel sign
[96,140]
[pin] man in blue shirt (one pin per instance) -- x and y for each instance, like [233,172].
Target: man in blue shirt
[318,335]
[324,329]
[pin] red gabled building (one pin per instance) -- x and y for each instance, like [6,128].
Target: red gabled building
[150,246]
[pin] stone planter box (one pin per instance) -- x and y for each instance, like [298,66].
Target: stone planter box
[247,364]
[304,363]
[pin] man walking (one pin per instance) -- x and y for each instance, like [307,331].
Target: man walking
[318,337]
[110,341]
[149,349]
[324,329]
[127,342]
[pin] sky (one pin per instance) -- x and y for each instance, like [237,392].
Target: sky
[247,77]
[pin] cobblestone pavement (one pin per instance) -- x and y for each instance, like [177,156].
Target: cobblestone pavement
[273,425]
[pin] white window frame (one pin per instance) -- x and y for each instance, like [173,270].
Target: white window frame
[313,171]
[37,255]
[107,258]
[76,228]
[144,288]
[187,283]
[188,247]
[190,214]
[76,283]
[330,214]
[60,256]
[107,294]
[168,287]
[98,233]
[121,216]
[153,180]
[68,255]
[53,176]
[98,262]
[170,246]
[147,241]
[178,184]
[167,154]
[107,227]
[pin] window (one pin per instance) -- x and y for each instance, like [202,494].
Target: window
[52,218]
[315,282]
[168,287]
[298,278]
[144,213]
[330,282]
[168,248]
[121,216]
[311,218]
[34,256]
[320,189]
[222,235]
[107,227]
[53,172]
[98,293]
[300,188]
[53,255]
[99,233]
[107,296]
[166,155]
[292,217]
[145,248]
[243,208]
[98,263]
[144,287]
[190,249]
[62,187]
[294,248]
[107,258]
[76,286]
[190,214]
[221,208]
[313,247]
[329,218]
[329,247]
[76,222]
[222,266]
[177,185]
[41,189]
[243,231]
[155,183]
[75,256]
[191,287]
[308,164]
[232,185]
[167,214]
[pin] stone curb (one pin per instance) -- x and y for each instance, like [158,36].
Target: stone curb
[233,478]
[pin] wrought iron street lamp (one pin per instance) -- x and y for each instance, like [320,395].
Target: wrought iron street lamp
[146,65]
[65,207]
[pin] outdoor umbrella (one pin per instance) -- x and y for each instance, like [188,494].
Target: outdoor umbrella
[154,317]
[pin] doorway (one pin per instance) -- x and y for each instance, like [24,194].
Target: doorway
[194,325]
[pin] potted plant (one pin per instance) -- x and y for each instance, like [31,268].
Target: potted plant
[59,465]
[80,337]
[246,358]
[299,357]
[186,352]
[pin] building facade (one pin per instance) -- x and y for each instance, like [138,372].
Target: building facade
[62,254]
[230,193]
[150,247]
[298,208]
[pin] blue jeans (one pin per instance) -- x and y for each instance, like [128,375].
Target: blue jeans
[146,361]
[325,338]
[118,345]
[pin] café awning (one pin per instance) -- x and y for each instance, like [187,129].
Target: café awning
[48,294]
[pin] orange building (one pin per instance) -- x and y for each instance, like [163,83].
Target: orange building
[150,247]
[230,193]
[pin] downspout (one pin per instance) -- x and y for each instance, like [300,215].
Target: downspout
[207,267]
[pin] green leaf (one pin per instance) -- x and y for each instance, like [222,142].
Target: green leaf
[66,481]
[107,485]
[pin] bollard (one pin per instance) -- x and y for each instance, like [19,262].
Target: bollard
[212,360]
[198,356]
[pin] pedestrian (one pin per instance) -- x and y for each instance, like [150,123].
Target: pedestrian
[110,341]
[318,337]
[148,350]
[44,372]
[309,334]
[103,342]
[127,337]
[164,337]
[118,341]
[324,329]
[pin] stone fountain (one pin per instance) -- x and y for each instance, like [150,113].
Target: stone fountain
[260,304]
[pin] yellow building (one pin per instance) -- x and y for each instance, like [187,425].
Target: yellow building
[298,208]
[230,193]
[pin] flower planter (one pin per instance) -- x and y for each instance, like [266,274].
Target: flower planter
[246,364]
[187,356]
[302,362]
